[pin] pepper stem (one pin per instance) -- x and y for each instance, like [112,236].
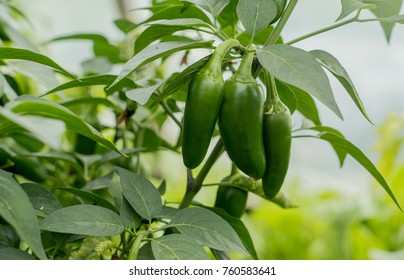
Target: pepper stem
[214,66]
[273,104]
[243,72]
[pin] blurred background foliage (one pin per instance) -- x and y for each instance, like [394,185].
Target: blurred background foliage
[327,223]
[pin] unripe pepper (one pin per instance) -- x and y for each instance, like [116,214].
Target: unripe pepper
[205,95]
[240,120]
[277,141]
[231,199]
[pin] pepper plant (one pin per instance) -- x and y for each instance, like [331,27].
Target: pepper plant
[75,179]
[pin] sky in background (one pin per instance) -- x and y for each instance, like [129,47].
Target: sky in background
[376,68]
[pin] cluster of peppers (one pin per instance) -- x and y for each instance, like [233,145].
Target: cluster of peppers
[256,133]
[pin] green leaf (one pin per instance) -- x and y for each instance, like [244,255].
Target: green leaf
[140,193]
[174,11]
[101,46]
[214,7]
[99,200]
[2,84]
[21,54]
[183,22]
[256,15]
[177,80]
[153,141]
[306,105]
[43,201]
[89,101]
[99,183]
[145,252]
[228,17]
[155,51]
[14,254]
[154,33]
[339,72]
[167,213]
[85,220]
[130,218]
[17,210]
[177,247]
[41,107]
[8,237]
[341,153]
[396,19]
[287,96]
[299,68]
[125,25]
[350,6]
[360,157]
[142,95]
[259,39]
[54,156]
[385,9]
[95,81]
[240,229]
[207,229]
[47,131]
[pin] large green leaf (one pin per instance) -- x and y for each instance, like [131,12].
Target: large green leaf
[43,201]
[343,144]
[287,96]
[154,33]
[14,254]
[17,210]
[350,6]
[341,153]
[396,19]
[155,51]
[306,105]
[57,156]
[177,247]
[386,9]
[299,68]
[228,18]
[142,95]
[85,220]
[140,193]
[256,15]
[45,130]
[99,200]
[129,216]
[95,81]
[101,46]
[207,229]
[214,7]
[37,106]
[176,11]
[239,228]
[335,67]
[21,54]
[191,23]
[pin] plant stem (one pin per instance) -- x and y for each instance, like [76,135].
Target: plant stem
[282,22]
[375,19]
[322,30]
[195,185]
[170,113]
[134,250]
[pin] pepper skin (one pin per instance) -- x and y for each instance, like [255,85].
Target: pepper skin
[205,95]
[231,199]
[240,120]
[277,141]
